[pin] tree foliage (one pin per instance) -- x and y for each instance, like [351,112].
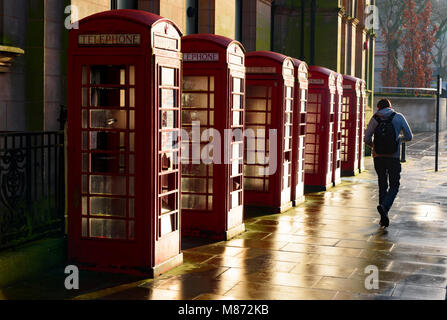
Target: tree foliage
[410,31]
[439,16]
[390,18]
[411,46]
[428,38]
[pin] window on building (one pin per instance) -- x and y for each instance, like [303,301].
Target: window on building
[1,22]
[349,7]
[123,4]
[192,16]
[238,24]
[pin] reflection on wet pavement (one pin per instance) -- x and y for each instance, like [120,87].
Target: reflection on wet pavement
[320,249]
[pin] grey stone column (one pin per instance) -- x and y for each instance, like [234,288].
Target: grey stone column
[53,81]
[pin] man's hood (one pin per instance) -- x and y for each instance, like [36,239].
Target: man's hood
[385,113]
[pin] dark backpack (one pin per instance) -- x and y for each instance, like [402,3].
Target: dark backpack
[385,140]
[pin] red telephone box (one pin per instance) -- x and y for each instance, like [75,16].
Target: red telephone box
[213,96]
[364,103]
[269,123]
[123,142]
[350,123]
[336,170]
[299,129]
[320,127]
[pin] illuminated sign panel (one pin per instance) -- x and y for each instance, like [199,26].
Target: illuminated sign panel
[109,39]
[316,81]
[261,70]
[165,43]
[201,56]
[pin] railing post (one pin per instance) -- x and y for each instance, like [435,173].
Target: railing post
[438,97]
[28,168]
[61,171]
[403,158]
[35,175]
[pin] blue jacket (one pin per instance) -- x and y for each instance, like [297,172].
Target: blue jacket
[399,123]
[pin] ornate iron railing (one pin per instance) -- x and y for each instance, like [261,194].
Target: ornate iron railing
[32,187]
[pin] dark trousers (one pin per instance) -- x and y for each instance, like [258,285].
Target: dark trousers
[388,171]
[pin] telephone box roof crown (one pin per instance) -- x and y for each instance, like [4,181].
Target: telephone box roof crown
[136,16]
[321,70]
[214,38]
[268,54]
[297,62]
[351,78]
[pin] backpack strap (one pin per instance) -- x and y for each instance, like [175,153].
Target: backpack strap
[377,118]
[392,115]
[389,119]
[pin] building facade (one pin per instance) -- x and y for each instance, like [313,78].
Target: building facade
[33,88]
[329,33]
[33,39]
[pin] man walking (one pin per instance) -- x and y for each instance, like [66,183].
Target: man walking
[386,126]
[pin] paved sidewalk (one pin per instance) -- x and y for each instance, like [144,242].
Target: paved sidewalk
[424,144]
[320,249]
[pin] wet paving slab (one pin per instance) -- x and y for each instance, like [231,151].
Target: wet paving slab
[424,144]
[320,249]
[323,249]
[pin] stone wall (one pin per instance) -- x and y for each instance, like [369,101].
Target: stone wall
[287,16]
[217,17]
[12,84]
[174,10]
[89,7]
[54,84]
[256,24]
[225,18]
[263,24]
[33,91]
[420,112]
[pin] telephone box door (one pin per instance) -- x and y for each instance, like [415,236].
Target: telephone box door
[336,169]
[319,139]
[363,104]
[198,183]
[107,219]
[258,121]
[350,129]
[167,129]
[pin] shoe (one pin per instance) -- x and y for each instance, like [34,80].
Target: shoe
[384,221]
